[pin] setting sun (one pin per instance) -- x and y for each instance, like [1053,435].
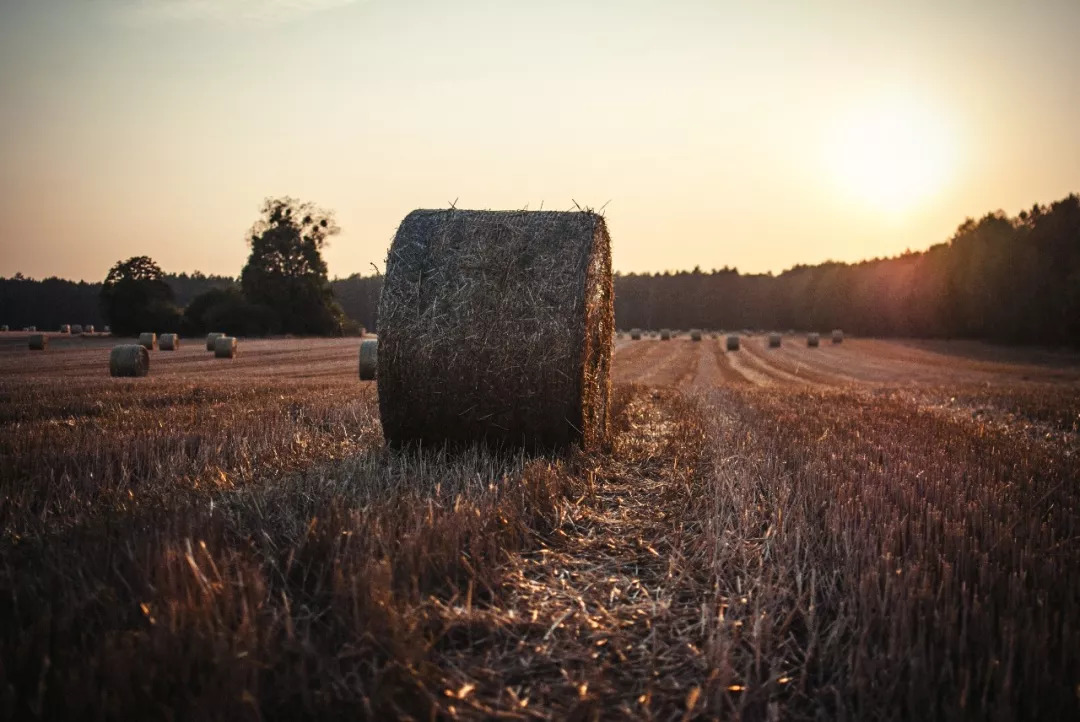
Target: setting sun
[892,156]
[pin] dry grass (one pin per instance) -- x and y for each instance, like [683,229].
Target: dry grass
[737,553]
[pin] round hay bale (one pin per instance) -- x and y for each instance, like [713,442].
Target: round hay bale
[129,359]
[695,334]
[837,336]
[169,342]
[75,329]
[148,340]
[774,340]
[65,328]
[665,334]
[733,342]
[210,338]
[497,326]
[225,347]
[89,328]
[4,328]
[813,339]
[369,358]
[107,329]
[31,329]
[38,342]
[635,334]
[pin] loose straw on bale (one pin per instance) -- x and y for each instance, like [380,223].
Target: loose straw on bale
[665,334]
[635,334]
[225,347]
[369,359]
[169,342]
[130,359]
[148,341]
[774,340]
[695,335]
[210,338]
[813,339]
[733,342]
[497,326]
[38,342]
[837,336]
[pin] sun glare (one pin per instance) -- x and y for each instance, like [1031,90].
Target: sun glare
[892,156]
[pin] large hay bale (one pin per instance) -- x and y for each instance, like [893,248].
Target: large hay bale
[65,328]
[169,342]
[129,359]
[837,336]
[38,342]
[89,328]
[635,334]
[695,334]
[733,342]
[210,338]
[497,325]
[369,358]
[665,334]
[75,329]
[813,339]
[148,340]
[225,347]
[774,340]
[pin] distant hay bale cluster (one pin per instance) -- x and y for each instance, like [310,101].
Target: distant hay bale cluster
[497,326]
[369,358]
[169,342]
[131,359]
[225,347]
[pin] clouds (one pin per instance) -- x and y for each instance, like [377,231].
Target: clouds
[223,12]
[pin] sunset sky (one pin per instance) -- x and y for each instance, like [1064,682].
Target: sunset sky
[756,135]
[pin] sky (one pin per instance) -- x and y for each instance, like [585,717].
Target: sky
[751,135]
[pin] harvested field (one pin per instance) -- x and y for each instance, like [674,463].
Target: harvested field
[872,530]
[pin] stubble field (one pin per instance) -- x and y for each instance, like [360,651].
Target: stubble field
[872,530]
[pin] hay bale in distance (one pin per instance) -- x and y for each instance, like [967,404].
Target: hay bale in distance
[107,329]
[65,328]
[665,334]
[4,328]
[813,339]
[774,340]
[129,359]
[225,347]
[497,326]
[89,328]
[38,342]
[837,336]
[695,334]
[75,329]
[210,338]
[169,342]
[733,342]
[31,329]
[635,334]
[369,358]
[148,340]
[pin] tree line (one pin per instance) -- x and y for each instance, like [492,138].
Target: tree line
[1008,279]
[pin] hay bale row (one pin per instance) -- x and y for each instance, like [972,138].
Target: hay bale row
[129,359]
[837,336]
[635,334]
[38,342]
[497,326]
[225,347]
[733,342]
[169,342]
[774,340]
[695,334]
[369,359]
[148,341]
[813,340]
